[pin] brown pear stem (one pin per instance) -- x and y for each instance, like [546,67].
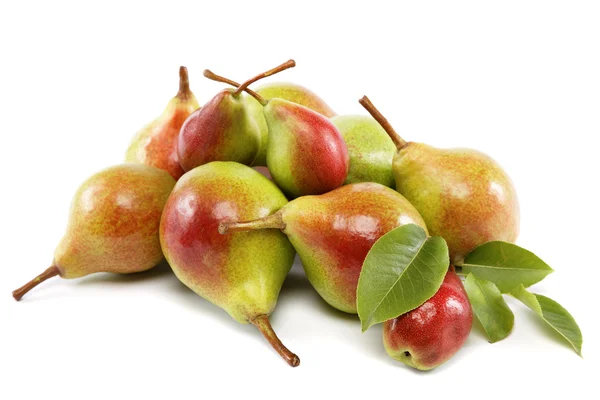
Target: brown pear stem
[218,78]
[47,274]
[370,107]
[273,221]
[184,84]
[264,326]
[279,68]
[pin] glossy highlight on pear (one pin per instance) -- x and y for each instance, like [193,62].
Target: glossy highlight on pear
[242,273]
[113,225]
[156,143]
[463,195]
[333,233]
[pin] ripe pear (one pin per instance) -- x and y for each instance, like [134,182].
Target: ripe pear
[431,334]
[241,273]
[287,91]
[306,153]
[156,143]
[462,194]
[113,225]
[333,233]
[224,129]
[370,147]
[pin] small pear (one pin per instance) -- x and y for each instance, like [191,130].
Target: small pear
[156,143]
[463,195]
[306,153]
[113,225]
[431,334]
[333,233]
[287,91]
[241,273]
[371,149]
[224,129]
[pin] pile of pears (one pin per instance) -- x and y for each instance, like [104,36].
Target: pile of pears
[230,191]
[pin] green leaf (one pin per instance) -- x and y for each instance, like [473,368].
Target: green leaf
[554,314]
[403,269]
[505,264]
[489,308]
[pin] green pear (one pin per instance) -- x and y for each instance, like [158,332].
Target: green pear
[370,147]
[113,224]
[462,194]
[241,273]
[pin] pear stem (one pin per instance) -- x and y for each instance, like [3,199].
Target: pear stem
[279,68]
[375,113]
[47,274]
[274,221]
[184,84]
[264,326]
[218,78]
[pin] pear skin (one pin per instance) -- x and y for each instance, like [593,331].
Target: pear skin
[222,130]
[241,273]
[306,154]
[431,334]
[463,195]
[156,143]
[333,233]
[370,148]
[113,224]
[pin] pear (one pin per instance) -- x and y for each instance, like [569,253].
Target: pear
[113,225]
[431,334]
[462,194]
[333,233]
[371,149]
[287,91]
[156,143]
[306,154]
[224,129]
[241,273]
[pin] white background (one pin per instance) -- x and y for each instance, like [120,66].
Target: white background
[519,80]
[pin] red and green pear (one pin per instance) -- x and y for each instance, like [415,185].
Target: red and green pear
[222,130]
[156,143]
[113,224]
[462,194]
[286,91]
[241,273]
[306,154]
[370,148]
[431,334]
[333,233]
